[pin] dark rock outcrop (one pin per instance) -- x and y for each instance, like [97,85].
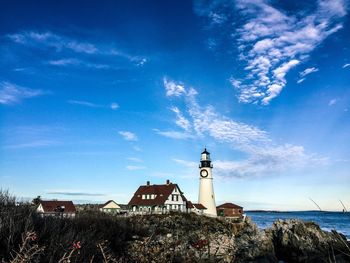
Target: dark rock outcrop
[253,245]
[297,241]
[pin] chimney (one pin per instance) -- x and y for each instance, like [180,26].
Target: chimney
[148,183]
[168,181]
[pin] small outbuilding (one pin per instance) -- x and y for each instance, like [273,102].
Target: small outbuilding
[56,208]
[229,210]
[110,207]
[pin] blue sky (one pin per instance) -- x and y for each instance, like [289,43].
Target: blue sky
[97,98]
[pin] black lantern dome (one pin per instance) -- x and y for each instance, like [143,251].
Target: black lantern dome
[205,159]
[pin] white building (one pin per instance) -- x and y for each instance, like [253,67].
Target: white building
[110,207]
[206,189]
[158,199]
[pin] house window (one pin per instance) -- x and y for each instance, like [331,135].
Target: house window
[143,196]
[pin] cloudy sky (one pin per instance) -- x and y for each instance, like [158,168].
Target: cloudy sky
[97,98]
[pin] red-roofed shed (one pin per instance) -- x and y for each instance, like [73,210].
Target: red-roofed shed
[56,208]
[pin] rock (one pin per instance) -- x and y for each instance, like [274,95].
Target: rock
[297,241]
[254,245]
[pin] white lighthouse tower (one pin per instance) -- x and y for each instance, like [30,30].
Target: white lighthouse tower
[206,189]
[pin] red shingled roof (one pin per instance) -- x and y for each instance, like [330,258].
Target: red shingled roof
[199,206]
[51,206]
[161,191]
[190,205]
[229,205]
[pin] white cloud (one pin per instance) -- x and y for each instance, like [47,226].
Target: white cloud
[33,144]
[84,103]
[271,42]
[181,121]
[188,164]
[135,168]
[128,136]
[263,156]
[174,134]
[134,159]
[346,65]
[65,62]
[77,62]
[300,80]
[173,89]
[137,148]
[114,106]
[332,102]
[60,43]
[52,40]
[308,71]
[11,93]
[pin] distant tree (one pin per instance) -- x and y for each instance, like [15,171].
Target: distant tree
[36,200]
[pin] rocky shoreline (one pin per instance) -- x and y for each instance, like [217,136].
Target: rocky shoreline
[174,237]
[179,238]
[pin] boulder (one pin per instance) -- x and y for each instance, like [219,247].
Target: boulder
[254,245]
[298,241]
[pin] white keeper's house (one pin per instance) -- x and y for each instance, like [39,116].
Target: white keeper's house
[158,199]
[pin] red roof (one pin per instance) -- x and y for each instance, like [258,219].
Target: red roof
[161,191]
[54,206]
[229,205]
[199,206]
[189,204]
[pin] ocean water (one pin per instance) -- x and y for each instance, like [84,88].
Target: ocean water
[326,220]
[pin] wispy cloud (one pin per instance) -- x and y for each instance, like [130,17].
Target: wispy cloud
[305,72]
[188,164]
[52,40]
[181,121]
[135,167]
[78,62]
[67,45]
[174,134]
[346,65]
[22,137]
[113,105]
[263,155]
[308,71]
[271,42]
[33,144]
[135,159]
[332,102]
[172,88]
[85,103]
[128,136]
[74,193]
[11,93]
[137,148]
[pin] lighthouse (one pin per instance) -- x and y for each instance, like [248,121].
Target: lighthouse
[206,188]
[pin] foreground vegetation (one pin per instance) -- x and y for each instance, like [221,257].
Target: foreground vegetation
[96,237]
